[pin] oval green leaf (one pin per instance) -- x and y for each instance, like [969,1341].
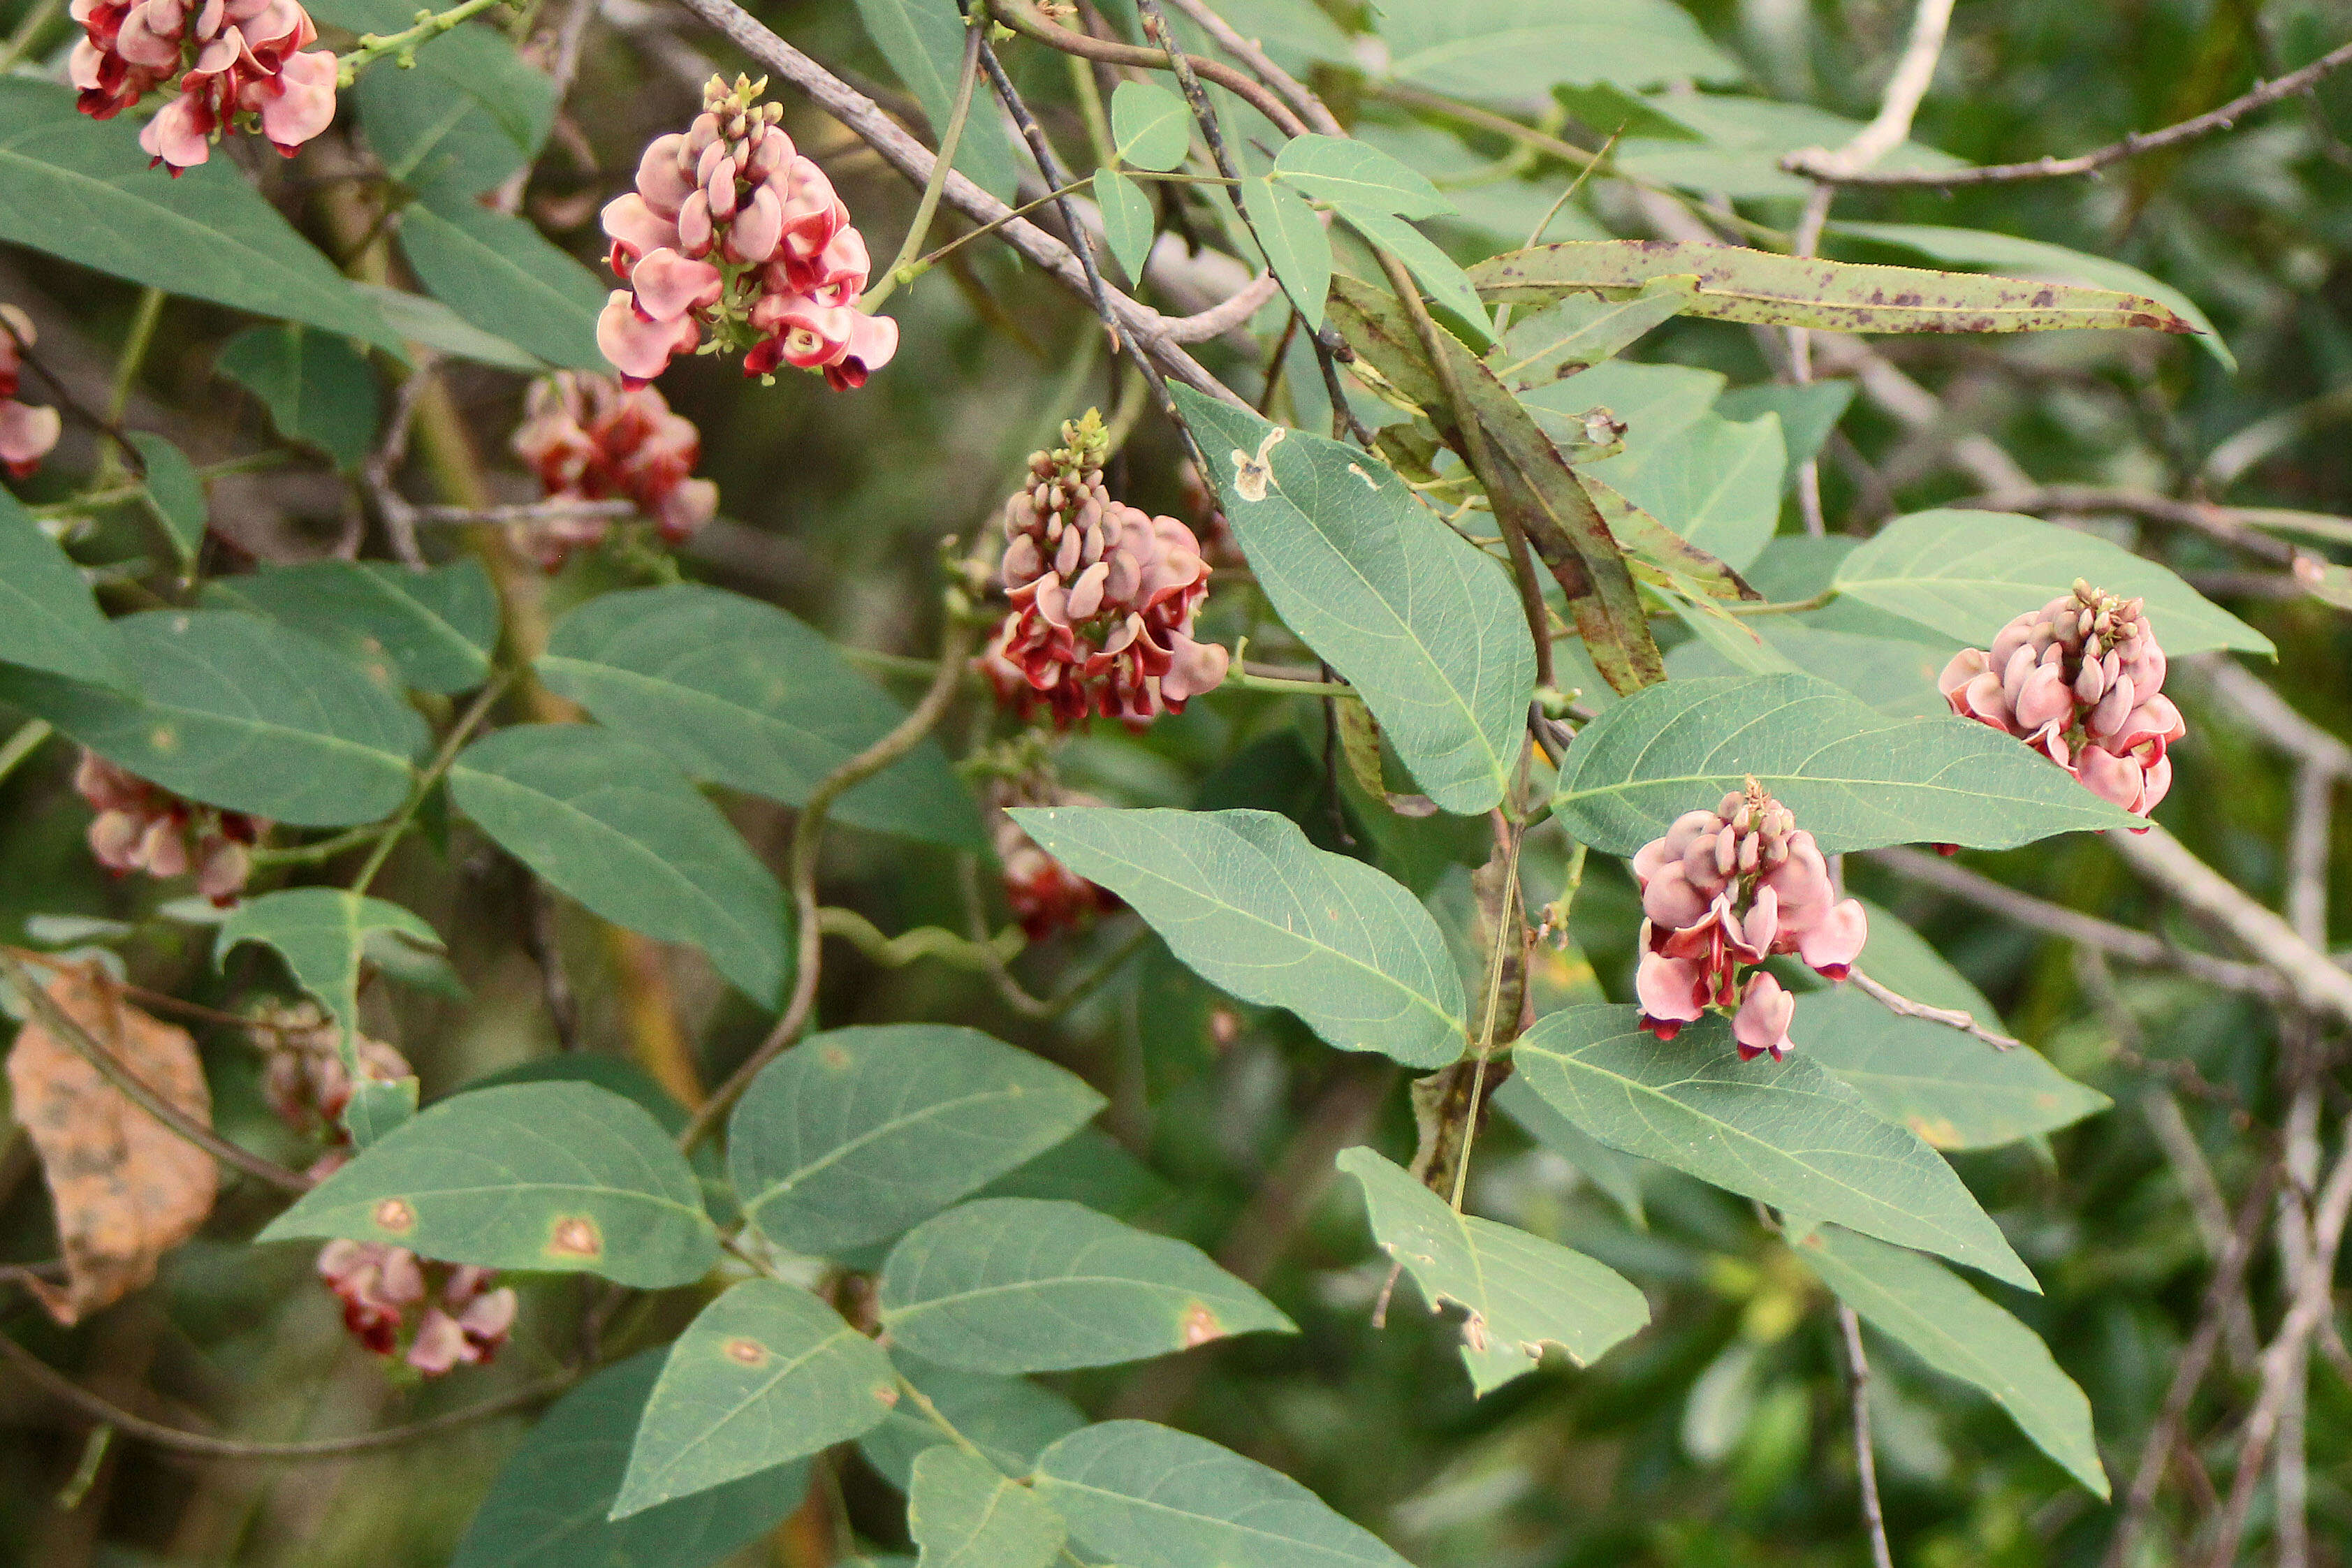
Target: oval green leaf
[964,1513]
[1295,246]
[1151,127]
[49,620]
[1127,218]
[318,387]
[1347,173]
[175,494]
[499,272]
[434,630]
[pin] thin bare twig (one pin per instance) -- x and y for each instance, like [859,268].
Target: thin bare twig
[2316,982]
[1018,16]
[1902,1006]
[555,510]
[1865,1461]
[1294,92]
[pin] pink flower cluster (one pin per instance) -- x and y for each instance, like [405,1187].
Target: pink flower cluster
[1046,896]
[1103,596]
[2081,681]
[140,827]
[27,433]
[592,439]
[1722,891]
[302,1076]
[732,230]
[244,62]
[463,1322]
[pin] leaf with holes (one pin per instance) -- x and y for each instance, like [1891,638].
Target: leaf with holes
[964,1514]
[1251,906]
[1151,127]
[436,628]
[856,1133]
[318,388]
[554,1177]
[1020,1284]
[1520,1292]
[764,1374]
[49,620]
[1786,1133]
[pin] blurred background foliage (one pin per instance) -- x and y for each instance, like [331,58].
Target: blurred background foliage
[1721,1436]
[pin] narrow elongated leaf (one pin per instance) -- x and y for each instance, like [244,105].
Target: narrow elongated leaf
[1251,906]
[1126,217]
[435,630]
[1150,1496]
[1010,1420]
[1347,173]
[1520,1292]
[610,822]
[547,1508]
[964,1514]
[85,190]
[242,714]
[48,621]
[323,933]
[764,1374]
[1425,625]
[1581,330]
[1450,291]
[499,273]
[419,318]
[1151,127]
[1938,1317]
[923,41]
[737,692]
[1855,778]
[176,496]
[856,1133]
[1954,1090]
[1966,573]
[318,388]
[561,1178]
[1021,1284]
[1786,1133]
[1736,283]
[1516,49]
[1295,246]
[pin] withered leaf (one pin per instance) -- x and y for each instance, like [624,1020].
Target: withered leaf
[126,1188]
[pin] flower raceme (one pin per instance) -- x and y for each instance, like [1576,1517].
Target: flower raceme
[731,229]
[27,433]
[303,1079]
[462,1321]
[140,827]
[237,63]
[590,438]
[2081,681]
[1722,891]
[1103,596]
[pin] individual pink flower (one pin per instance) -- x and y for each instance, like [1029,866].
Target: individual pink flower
[732,232]
[591,438]
[27,433]
[1721,891]
[239,65]
[1104,595]
[447,1313]
[142,827]
[303,1079]
[2081,681]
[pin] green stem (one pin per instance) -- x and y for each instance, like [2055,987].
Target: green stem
[922,942]
[932,1413]
[1090,109]
[23,744]
[134,352]
[1790,608]
[21,41]
[1506,929]
[322,849]
[395,830]
[936,186]
[115,495]
[1236,675]
[373,46]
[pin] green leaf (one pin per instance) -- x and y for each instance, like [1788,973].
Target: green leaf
[856,1133]
[1253,907]
[547,1508]
[611,823]
[1092,1168]
[923,41]
[241,714]
[2038,258]
[322,933]
[1896,956]
[416,318]
[176,496]
[1149,1496]
[1423,623]
[1808,414]
[1516,49]
[1010,1420]
[1581,330]
[318,388]
[964,1514]
[1347,173]
[1151,127]
[737,692]
[83,189]
[1714,483]
[1889,677]
[49,620]
[1595,1161]
[1966,573]
[1023,1284]
[1938,1317]
[377,1107]
[764,1374]
[1450,292]
[1855,778]
[1294,244]
[1786,1133]
[470,114]
[434,630]
[1127,218]
[1954,1090]
[1740,285]
[499,273]
[1520,1292]
[554,1177]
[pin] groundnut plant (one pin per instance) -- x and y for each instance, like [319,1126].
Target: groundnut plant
[1176,783]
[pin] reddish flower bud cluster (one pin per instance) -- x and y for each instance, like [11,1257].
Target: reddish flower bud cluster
[592,439]
[1722,891]
[140,827]
[27,433]
[2080,680]
[242,63]
[1046,896]
[730,228]
[302,1076]
[446,1314]
[1103,596]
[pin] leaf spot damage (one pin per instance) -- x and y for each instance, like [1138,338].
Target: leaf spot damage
[394,1215]
[1201,1325]
[574,1236]
[1251,473]
[750,1351]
